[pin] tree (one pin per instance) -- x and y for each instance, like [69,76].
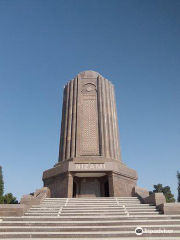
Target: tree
[158,188]
[178,177]
[1,183]
[166,191]
[7,198]
[1,199]
[10,199]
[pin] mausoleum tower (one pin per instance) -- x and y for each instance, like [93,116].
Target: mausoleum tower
[89,163]
[89,124]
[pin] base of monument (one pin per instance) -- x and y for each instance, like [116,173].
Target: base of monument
[92,177]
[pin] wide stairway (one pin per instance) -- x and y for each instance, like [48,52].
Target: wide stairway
[91,218]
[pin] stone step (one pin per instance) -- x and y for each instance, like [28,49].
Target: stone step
[92,205]
[48,205]
[117,206]
[143,206]
[103,203]
[131,201]
[93,210]
[93,198]
[111,238]
[57,199]
[110,209]
[90,218]
[96,199]
[88,214]
[88,201]
[130,222]
[99,204]
[83,228]
[67,209]
[95,234]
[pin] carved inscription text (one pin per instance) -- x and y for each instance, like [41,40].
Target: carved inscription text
[90,166]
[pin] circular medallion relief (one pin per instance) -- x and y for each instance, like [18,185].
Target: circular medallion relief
[89,89]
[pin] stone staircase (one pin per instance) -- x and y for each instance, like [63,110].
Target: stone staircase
[91,218]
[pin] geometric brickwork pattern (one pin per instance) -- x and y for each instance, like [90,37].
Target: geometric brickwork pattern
[89,127]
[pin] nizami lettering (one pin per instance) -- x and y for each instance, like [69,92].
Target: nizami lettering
[90,166]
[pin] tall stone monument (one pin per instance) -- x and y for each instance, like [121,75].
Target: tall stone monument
[89,162]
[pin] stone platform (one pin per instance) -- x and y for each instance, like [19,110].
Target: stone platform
[108,178]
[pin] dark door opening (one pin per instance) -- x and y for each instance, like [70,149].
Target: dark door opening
[74,189]
[106,188]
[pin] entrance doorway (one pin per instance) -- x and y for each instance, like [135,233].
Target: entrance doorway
[90,186]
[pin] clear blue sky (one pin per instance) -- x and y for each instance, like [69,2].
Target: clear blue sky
[133,43]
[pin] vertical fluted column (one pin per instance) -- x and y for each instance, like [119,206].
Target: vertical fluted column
[78,115]
[112,123]
[116,126]
[65,123]
[62,124]
[115,141]
[105,123]
[109,119]
[110,135]
[69,120]
[101,129]
[73,136]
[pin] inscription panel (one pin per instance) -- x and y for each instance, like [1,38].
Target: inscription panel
[89,126]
